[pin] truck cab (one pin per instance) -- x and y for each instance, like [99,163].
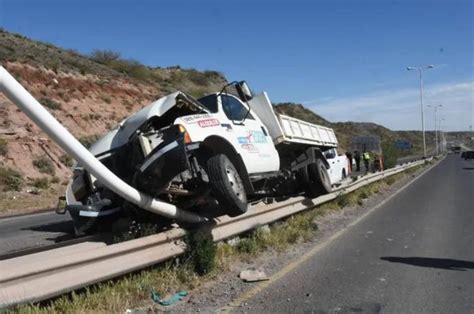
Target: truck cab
[236,124]
[338,165]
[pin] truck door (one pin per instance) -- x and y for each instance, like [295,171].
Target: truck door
[335,167]
[253,141]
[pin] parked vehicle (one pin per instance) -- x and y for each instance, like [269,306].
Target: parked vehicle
[468,155]
[221,148]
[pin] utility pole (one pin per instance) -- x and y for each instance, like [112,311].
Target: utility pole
[420,72]
[441,135]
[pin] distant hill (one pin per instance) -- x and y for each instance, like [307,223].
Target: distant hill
[300,112]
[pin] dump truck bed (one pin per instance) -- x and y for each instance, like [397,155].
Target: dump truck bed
[286,129]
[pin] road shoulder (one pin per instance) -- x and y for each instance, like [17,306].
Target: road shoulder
[226,291]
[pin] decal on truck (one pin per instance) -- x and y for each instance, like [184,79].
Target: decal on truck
[250,148]
[195,118]
[208,123]
[243,140]
[256,137]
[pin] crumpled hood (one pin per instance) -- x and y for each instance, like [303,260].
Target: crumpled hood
[122,132]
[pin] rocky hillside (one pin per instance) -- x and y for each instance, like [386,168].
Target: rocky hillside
[87,94]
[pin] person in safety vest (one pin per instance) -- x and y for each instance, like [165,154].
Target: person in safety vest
[366,158]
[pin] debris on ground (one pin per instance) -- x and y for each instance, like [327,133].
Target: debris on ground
[178,296]
[252,275]
[136,311]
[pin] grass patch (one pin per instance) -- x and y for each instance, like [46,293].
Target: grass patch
[66,160]
[3,147]
[87,141]
[51,104]
[107,99]
[41,183]
[128,292]
[10,179]
[44,165]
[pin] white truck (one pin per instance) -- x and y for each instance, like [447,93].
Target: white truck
[220,149]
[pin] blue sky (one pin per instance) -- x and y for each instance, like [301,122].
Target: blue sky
[344,59]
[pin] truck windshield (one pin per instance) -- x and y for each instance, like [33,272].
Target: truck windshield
[210,102]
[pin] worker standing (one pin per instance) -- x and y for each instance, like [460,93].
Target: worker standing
[357,159]
[349,159]
[366,157]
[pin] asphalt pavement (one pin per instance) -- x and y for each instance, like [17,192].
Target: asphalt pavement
[30,231]
[414,254]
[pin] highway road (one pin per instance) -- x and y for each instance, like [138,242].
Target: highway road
[414,254]
[35,230]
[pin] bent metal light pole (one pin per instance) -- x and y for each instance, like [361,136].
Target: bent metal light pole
[36,112]
[420,72]
[435,107]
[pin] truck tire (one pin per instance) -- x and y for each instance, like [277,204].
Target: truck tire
[227,185]
[317,182]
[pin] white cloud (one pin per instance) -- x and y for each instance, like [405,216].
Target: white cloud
[400,109]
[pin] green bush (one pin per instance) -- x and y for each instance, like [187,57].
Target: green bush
[10,179]
[197,77]
[107,99]
[132,68]
[342,200]
[3,146]
[104,56]
[201,250]
[66,160]
[87,141]
[41,183]
[198,92]
[390,155]
[51,104]
[390,180]
[248,246]
[44,165]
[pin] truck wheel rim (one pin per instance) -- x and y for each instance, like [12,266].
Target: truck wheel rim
[324,178]
[235,182]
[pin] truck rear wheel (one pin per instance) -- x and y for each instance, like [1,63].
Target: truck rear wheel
[317,182]
[227,185]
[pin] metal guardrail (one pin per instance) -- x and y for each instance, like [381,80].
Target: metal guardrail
[44,275]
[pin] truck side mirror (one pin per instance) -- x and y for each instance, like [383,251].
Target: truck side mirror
[244,91]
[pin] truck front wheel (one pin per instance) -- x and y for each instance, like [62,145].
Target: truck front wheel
[227,185]
[317,180]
